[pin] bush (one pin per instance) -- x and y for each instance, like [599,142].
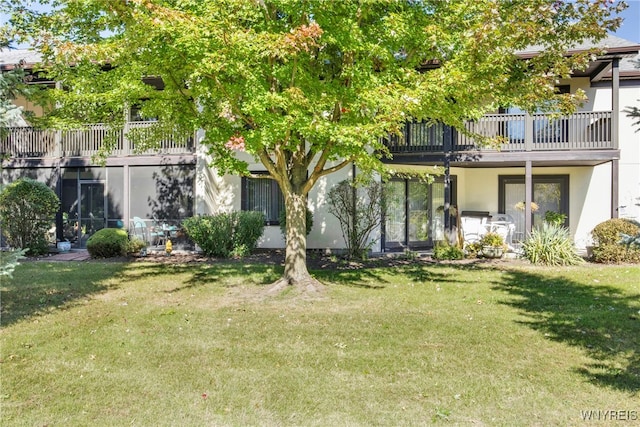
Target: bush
[444,250]
[27,210]
[494,240]
[555,218]
[108,243]
[607,239]
[135,245]
[224,235]
[358,207]
[550,245]
[282,218]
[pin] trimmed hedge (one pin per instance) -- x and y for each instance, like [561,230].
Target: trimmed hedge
[607,237]
[27,211]
[108,243]
[226,234]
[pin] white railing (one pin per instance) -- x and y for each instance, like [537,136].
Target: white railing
[544,132]
[26,142]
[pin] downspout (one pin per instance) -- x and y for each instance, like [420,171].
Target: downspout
[615,120]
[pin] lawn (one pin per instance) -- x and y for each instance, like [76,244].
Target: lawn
[147,344]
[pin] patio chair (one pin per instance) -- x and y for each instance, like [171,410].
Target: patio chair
[473,228]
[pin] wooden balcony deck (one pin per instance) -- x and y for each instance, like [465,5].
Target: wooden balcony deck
[30,143]
[523,132]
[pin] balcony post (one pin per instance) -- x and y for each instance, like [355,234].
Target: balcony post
[528,131]
[126,149]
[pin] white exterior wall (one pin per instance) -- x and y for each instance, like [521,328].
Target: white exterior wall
[589,187]
[589,193]
[215,194]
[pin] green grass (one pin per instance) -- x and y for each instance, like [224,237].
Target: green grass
[113,344]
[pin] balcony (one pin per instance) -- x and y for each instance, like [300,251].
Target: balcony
[31,143]
[523,132]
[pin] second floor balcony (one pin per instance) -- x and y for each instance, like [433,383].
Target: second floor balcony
[581,131]
[32,143]
[519,133]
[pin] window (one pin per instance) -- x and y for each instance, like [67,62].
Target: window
[550,193]
[262,195]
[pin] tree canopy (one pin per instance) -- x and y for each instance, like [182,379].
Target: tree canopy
[307,87]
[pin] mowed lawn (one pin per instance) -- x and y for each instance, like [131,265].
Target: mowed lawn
[147,344]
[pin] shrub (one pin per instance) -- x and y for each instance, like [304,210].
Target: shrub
[493,239]
[555,218]
[283,222]
[473,250]
[608,232]
[226,234]
[358,207]
[27,210]
[135,245]
[249,227]
[550,245]
[108,243]
[444,250]
[607,238]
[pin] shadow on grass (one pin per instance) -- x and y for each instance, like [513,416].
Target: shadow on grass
[600,320]
[37,287]
[204,274]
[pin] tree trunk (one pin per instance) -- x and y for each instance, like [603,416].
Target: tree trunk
[295,267]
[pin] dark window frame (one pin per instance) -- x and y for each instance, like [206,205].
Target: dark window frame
[562,179]
[453,182]
[275,197]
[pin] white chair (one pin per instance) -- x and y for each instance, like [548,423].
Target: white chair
[473,228]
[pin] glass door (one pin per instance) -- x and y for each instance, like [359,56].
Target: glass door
[414,216]
[419,227]
[91,210]
[395,230]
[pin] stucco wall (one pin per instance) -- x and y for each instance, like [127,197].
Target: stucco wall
[217,193]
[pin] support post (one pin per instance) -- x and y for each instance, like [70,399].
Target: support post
[447,178]
[528,196]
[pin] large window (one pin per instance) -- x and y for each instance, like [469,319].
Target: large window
[550,193]
[263,195]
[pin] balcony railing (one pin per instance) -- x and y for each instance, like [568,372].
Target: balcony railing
[522,132]
[26,142]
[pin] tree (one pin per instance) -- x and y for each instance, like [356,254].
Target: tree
[307,87]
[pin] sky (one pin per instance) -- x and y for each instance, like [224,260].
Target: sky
[629,30]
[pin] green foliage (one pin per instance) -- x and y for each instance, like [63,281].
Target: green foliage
[555,218]
[108,243]
[249,227]
[27,211]
[282,218]
[308,87]
[630,241]
[608,238]
[226,234]
[444,250]
[358,207]
[473,250]
[608,232]
[9,260]
[494,240]
[550,245]
[135,245]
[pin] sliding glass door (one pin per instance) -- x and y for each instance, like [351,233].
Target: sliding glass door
[414,216]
